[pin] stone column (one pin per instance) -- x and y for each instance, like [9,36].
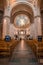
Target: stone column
[6,25]
[35,29]
[38,25]
[37,21]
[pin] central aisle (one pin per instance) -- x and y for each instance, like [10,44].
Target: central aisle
[23,55]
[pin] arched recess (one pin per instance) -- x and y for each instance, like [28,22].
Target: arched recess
[26,9]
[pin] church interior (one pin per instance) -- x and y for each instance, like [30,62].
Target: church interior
[21,32]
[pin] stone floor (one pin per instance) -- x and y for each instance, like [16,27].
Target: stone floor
[22,55]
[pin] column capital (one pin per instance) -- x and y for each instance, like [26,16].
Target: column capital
[37,16]
[6,17]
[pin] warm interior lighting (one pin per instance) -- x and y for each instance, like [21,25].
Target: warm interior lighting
[4,20]
[22,45]
[11,1]
[22,32]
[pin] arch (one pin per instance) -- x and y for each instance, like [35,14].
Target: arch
[30,5]
[22,6]
[27,4]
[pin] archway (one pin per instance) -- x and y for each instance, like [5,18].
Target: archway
[23,9]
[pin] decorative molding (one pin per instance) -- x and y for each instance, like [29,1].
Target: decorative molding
[6,17]
[37,16]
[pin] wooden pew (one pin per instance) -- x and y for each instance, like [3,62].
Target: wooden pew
[32,44]
[6,48]
[39,50]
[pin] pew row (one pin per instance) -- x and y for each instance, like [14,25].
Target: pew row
[6,48]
